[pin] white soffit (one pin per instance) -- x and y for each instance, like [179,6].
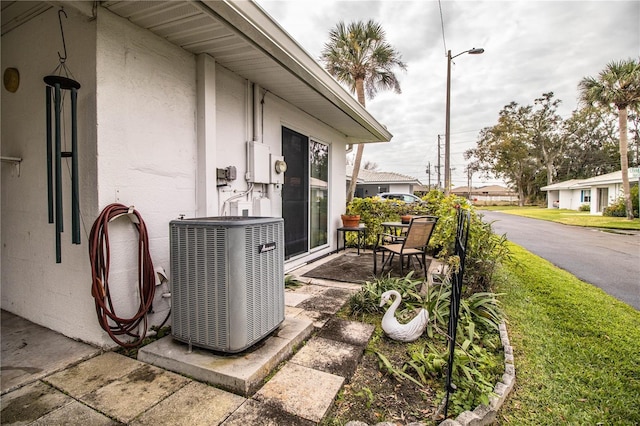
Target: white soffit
[240,36]
[15,13]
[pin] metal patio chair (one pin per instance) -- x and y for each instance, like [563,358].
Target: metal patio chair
[414,244]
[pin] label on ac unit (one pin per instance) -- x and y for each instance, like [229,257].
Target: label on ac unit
[263,248]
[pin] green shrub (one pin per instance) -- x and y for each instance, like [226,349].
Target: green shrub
[375,210]
[585,208]
[485,249]
[618,208]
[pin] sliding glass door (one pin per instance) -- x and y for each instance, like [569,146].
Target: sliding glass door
[305,193]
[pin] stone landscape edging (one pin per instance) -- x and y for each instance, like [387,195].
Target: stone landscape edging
[486,414]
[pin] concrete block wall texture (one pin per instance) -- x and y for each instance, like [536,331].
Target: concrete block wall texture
[138,145]
[146,100]
[54,295]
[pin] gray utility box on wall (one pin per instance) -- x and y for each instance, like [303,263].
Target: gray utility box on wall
[227,280]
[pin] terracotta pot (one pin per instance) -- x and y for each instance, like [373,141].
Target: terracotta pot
[350,220]
[406,219]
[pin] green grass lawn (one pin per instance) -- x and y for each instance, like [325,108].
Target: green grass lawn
[576,349]
[569,217]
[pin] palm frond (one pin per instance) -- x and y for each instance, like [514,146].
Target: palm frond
[359,52]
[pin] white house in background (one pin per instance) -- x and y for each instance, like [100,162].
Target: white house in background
[599,191]
[372,182]
[184,109]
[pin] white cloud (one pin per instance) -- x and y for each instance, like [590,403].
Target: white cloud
[531,47]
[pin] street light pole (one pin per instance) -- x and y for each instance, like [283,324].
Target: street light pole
[447,135]
[439,181]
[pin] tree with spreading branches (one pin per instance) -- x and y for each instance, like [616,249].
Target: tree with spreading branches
[359,56]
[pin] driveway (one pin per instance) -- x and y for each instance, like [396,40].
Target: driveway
[608,260]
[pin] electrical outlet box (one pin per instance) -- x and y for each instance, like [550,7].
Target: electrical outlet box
[262,207]
[231,173]
[240,208]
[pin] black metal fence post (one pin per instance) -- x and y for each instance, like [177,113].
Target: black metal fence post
[462,235]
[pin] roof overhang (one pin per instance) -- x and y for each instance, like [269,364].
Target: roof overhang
[613,178]
[243,38]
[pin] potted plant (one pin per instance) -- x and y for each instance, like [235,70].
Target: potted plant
[350,219]
[406,218]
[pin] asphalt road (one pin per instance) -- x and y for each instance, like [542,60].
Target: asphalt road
[610,261]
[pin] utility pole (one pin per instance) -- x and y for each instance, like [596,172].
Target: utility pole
[469,173]
[438,161]
[429,174]
[447,135]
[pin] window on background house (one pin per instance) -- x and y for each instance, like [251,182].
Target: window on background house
[585,196]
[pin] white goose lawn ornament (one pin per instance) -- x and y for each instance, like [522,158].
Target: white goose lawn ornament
[402,332]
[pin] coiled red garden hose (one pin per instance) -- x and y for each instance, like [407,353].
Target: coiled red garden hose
[99,255]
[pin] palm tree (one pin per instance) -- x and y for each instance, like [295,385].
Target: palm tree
[618,84]
[359,56]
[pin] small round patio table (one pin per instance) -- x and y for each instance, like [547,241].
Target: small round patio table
[361,231]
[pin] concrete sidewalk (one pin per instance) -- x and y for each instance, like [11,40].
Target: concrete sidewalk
[50,379]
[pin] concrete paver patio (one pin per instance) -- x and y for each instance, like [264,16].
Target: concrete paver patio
[50,379]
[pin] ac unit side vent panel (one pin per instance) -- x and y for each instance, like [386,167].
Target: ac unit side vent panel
[227,280]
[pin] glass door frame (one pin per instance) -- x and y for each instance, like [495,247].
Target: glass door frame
[319,235]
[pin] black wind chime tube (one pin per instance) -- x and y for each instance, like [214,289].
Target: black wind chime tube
[58,170]
[49,156]
[75,202]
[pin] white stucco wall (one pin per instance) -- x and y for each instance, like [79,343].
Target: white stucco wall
[232,133]
[575,202]
[552,197]
[572,198]
[566,198]
[139,145]
[146,103]
[33,285]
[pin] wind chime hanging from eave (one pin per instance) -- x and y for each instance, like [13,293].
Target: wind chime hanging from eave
[57,87]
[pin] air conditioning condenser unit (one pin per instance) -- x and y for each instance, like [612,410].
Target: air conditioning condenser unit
[227,280]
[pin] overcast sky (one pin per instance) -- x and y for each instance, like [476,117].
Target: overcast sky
[531,47]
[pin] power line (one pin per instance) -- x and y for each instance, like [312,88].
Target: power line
[444,43]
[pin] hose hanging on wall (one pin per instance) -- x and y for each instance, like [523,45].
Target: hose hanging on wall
[99,255]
